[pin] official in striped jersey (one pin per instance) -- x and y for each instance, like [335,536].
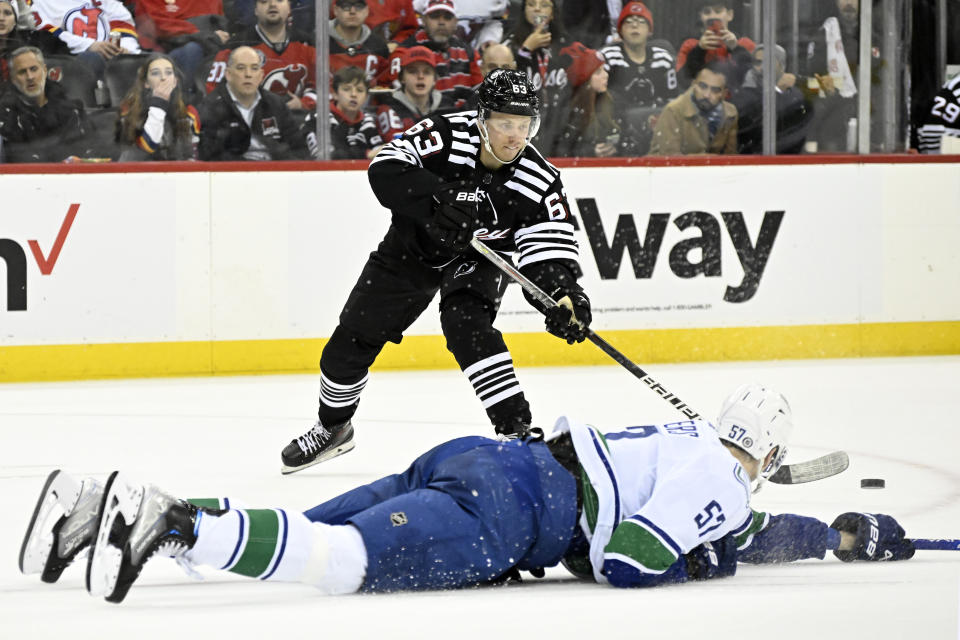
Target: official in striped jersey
[942,119]
[642,78]
[644,506]
[446,179]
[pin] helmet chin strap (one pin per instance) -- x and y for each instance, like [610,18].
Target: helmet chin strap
[486,143]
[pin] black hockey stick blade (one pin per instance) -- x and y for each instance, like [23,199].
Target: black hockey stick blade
[812,470]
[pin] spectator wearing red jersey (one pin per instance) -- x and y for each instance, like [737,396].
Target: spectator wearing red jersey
[86,28]
[289,57]
[353,43]
[392,20]
[458,65]
[717,45]
[416,98]
[171,26]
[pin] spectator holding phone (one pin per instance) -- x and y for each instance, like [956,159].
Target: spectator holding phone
[590,129]
[716,44]
[536,38]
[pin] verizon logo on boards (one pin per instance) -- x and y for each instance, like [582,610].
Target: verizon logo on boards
[16,261]
[643,250]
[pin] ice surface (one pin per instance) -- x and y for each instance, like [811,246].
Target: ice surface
[222,436]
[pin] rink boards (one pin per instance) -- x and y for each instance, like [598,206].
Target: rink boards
[192,272]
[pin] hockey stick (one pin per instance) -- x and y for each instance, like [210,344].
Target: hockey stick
[797,473]
[543,298]
[933,544]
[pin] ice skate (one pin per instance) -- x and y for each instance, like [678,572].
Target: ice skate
[317,445]
[63,524]
[136,522]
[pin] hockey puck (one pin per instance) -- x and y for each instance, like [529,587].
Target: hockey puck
[873,483]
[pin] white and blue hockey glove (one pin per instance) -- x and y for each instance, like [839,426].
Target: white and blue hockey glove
[879,537]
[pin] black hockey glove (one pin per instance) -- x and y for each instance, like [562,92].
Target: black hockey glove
[571,318]
[717,559]
[456,216]
[879,537]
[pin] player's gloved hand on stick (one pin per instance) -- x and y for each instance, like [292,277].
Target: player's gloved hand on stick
[456,216]
[717,559]
[878,537]
[571,318]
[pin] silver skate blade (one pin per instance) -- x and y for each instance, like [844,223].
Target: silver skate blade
[328,455]
[121,500]
[57,500]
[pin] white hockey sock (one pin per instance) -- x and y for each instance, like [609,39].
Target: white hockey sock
[493,379]
[272,544]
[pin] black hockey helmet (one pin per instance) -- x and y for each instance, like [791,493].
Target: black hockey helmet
[509,91]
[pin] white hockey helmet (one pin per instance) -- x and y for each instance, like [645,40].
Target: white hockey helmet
[758,420]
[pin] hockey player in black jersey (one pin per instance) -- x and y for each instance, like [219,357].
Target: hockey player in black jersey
[445,180]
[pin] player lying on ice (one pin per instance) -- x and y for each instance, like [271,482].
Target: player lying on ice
[644,506]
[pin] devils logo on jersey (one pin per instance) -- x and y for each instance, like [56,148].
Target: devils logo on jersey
[289,79]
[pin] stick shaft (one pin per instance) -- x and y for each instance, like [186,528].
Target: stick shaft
[817,469]
[933,544]
[543,298]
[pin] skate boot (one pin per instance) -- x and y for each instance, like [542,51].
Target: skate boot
[317,445]
[136,522]
[63,524]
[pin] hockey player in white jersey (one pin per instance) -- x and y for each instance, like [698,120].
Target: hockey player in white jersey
[647,505]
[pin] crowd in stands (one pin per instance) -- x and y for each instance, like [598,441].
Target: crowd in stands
[134,80]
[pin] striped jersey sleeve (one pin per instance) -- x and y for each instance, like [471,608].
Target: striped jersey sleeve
[942,119]
[548,234]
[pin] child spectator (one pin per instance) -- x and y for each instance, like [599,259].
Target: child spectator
[590,129]
[353,132]
[353,43]
[154,122]
[416,98]
[289,57]
[717,44]
[458,65]
[642,78]
[699,121]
